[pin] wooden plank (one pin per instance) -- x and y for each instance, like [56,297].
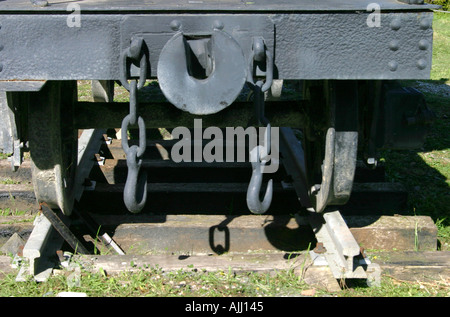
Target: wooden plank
[240,233]
[394,232]
[426,266]
[206,233]
[239,262]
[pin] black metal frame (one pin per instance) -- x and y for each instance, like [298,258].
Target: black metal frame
[324,40]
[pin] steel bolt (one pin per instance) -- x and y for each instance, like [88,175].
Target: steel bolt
[175,25]
[423,44]
[394,45]
[372,161]
[319,249]
[361,249]
[393,65]
[60,255]
[315,189]
[425,24]
[218,25]
[421,64]
[396,24]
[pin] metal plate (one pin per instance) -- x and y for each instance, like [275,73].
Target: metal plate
[211,94]
[158,30]
[325,45]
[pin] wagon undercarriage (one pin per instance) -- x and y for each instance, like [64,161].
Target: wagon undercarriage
[343,58]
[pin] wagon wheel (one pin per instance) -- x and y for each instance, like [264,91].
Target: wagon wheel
[53,143]
[330,141]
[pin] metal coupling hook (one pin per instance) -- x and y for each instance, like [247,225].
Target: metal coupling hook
[258,161]
[135,191]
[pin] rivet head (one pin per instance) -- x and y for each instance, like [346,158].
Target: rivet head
[394,45]
[175,25]
[421,64]
[423,44]
[396,23]
[218,25]
[425,24]
[393,65]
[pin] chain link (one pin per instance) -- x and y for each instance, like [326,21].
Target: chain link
[135,191]
[135,53]
[258,53]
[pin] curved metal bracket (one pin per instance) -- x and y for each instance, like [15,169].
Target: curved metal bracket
[338,168]
[324,195]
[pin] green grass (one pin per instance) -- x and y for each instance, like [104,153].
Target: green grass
[4,156]
[9,181]
[191,283]
[445,4]
[157,283]
[392,287]
[4,212]
[440,69]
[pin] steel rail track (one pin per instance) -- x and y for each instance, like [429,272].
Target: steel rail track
[43,239]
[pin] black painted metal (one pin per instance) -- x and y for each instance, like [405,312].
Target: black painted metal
[403,118]
[293,159]
[63,229]
[313,40]
[53,144]
[189,44]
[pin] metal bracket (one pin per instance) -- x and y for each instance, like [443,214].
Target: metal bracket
[338,169]
[202,91]
[295,165]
